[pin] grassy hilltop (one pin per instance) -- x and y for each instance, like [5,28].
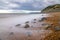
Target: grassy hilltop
[52,8]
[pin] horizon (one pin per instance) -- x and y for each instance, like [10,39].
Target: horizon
[17,11]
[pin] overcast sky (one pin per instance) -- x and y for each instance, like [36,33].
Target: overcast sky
[26,4]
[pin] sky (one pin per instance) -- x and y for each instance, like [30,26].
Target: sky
[31,5]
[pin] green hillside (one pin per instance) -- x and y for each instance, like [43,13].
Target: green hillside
[52,8]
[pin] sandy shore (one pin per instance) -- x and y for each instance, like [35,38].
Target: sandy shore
[14,28]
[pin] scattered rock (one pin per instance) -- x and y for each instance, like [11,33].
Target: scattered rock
[44,18]
[27,22]
[34,22]
[34,19]
[57,28]
[48,26]
[27,26]
[39,20]
[18,24]
[44,24]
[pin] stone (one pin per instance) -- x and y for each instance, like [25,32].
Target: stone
[57,28]
[27,22]
[44,18]
[48,26]
[18,24]
[27,26]
[39,20]
[34,22]
[34,19]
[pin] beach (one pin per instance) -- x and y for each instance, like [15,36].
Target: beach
[23,27]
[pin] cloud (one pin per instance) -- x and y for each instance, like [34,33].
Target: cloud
[49,2]
[26,4]
[5,4]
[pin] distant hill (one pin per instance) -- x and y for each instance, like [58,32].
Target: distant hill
[52,8]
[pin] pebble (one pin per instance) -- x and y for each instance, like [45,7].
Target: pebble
[34,22]
[39,20]
[27,26]
[34,19]
[43,19]
[48,26]
[57,28]
[27,22]
[18,24]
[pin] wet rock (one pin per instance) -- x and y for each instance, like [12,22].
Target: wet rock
[34,22]
[57,28]
[27,26]
[27,22]
[44,24]
[39,20]
[34,19]
[48,26]
[44,18]
[18,24]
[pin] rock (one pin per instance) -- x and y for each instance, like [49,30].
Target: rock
[27,22]
[34,19]
[57,28]
[39,20]
[48,26]
[27,26]
[34,22]
[42,19]
[18,24]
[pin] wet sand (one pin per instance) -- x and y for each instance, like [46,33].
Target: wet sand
[27,27]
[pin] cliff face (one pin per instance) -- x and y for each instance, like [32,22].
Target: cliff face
[52,8]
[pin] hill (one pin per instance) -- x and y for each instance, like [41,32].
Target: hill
[52,8]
